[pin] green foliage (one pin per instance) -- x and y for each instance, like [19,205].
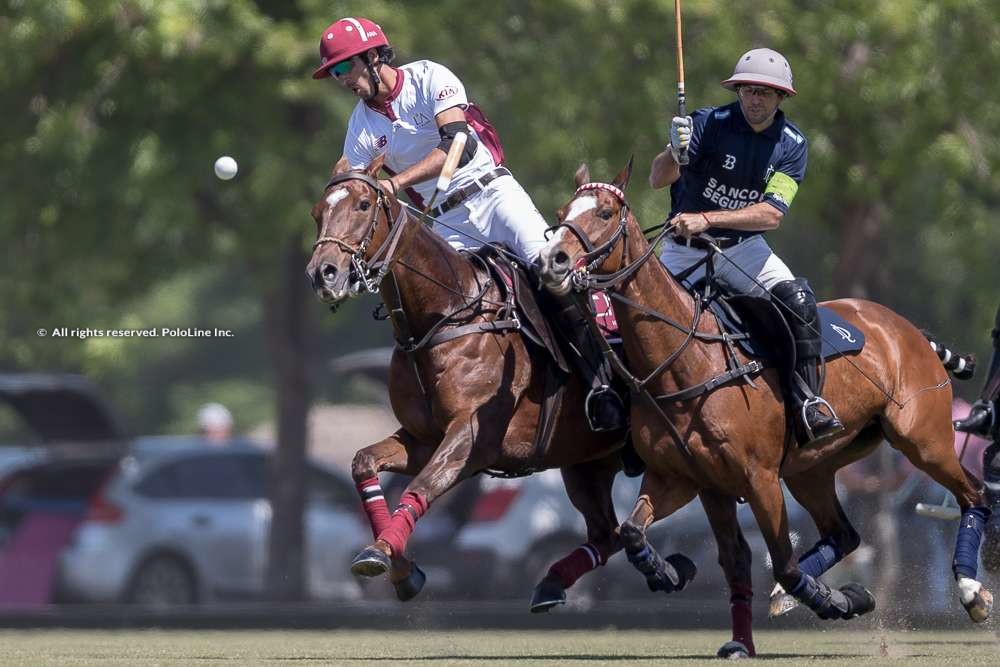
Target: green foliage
[115,111]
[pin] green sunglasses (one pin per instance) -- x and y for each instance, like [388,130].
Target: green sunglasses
[341,68]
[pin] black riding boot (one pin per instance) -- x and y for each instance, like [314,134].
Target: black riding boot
[605,409]
[815,416]
[980,420]
[983,419]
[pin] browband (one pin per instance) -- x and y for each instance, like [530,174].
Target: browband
[602,186]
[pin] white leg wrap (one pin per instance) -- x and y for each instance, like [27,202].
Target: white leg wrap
[967,589]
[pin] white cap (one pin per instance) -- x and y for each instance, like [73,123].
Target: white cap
[214,416]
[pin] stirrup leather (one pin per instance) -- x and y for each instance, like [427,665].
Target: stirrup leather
[817,402]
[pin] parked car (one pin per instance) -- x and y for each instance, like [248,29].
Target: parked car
[175,521]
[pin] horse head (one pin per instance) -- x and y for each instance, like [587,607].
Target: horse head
[354,219]
[590,234]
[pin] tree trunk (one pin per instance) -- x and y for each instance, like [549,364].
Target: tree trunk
[291,336]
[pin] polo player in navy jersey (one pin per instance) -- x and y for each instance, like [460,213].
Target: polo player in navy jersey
[733,172]
[984,420]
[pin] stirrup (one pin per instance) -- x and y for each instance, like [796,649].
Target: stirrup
[604,393]
[816,402]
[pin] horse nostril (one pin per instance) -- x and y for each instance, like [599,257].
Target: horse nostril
[328,271]
[561,259]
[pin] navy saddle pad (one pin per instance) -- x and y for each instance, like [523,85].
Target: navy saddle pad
[839,336]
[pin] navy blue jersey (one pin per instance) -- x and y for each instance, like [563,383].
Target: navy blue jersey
[731,166]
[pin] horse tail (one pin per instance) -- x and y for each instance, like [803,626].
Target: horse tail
[961,366]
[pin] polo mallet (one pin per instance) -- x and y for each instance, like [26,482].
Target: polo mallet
[447,171]
[945,510]
[682,157]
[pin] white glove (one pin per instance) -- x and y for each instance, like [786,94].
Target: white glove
[680,136]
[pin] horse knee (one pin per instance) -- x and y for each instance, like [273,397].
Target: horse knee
[363,466]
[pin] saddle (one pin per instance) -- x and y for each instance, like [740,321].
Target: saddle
[519,286]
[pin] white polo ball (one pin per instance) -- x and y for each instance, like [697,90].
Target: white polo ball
[226,167]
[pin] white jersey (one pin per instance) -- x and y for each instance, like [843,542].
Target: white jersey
[405,129]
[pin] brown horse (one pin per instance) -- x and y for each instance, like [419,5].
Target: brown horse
[467,396]
[735,438]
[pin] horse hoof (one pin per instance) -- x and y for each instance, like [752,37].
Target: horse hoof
[370,562]
[547,594]
[781,602]
[978,601]
[861,600]
[685,567]
[734,650]
[408,588]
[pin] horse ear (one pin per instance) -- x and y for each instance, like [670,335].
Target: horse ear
[582,175]
[341,166]
[375,165]
[622,179]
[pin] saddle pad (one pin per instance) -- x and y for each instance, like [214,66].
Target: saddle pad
[839,336]
[605,315]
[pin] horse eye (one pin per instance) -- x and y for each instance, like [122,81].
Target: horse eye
[605,214]
[365,205]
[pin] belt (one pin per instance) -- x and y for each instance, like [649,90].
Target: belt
[721,241]
[468,191]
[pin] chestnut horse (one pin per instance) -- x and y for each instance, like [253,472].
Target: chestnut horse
[735,438]
[465,404]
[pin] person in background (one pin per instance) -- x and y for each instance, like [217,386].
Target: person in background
[215,423]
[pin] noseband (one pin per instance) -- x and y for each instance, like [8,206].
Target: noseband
[380,263]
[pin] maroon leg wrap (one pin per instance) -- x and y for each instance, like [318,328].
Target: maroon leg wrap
[582,560]
[411,507]
[740,607]
[373,500]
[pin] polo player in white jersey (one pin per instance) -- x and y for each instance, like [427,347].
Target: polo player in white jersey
[411,115]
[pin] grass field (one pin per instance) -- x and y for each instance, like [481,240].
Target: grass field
[606,647]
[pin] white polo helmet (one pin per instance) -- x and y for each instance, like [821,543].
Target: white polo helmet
[763,67]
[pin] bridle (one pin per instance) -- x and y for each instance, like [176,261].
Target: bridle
[371,271]
[582,276]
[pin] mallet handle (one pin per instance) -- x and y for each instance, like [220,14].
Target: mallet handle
[681,101]
[451,162]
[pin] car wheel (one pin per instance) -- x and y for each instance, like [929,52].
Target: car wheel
[163,581]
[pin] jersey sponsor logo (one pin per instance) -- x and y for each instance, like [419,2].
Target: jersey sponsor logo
[729,162]
[381,142]
[796,137]
[728,196]
[446,92]
[421,119]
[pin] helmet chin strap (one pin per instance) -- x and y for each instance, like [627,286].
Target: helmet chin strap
[373,76]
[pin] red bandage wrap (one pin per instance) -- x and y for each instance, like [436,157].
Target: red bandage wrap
[740,606]
[373,500]
[584,558]
[411,507]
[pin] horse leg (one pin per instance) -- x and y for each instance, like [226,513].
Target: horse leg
[448,465]
[588,486]
[815,490]
[768,504]
[734,558]
[660,496]
[401,453]
[924,434]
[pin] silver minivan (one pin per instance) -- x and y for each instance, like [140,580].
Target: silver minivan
[174,521]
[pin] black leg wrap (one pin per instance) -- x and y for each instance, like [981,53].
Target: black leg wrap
[667,575]
[830,603]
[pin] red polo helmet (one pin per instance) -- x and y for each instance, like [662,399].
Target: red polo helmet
[345,38]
